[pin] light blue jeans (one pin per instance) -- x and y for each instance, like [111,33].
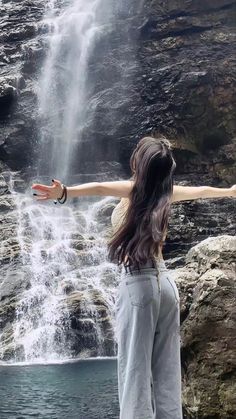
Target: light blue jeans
[148,338]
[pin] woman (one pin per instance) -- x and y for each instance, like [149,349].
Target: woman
[147,308]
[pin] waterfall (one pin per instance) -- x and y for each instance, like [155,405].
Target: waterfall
[63,248]
[62,91]
[48,239]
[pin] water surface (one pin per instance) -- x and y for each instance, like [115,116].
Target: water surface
[84,390]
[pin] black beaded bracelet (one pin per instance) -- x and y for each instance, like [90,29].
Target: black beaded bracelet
[64,195]
[63,191]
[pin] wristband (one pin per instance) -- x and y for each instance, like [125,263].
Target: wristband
[64,195]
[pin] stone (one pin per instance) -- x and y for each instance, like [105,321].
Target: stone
[85,332]
[104,213]
[6,203]
[207,295]
[8,95]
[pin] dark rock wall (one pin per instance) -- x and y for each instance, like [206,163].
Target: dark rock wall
[169,67]
[160,66]
[20,56]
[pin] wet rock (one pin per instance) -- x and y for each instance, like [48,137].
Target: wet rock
[77,236]
[3,186]
[7,311]
[108,278]
[6,203]
[10,251]
[104,213]
[78,244]
[81,221]
[8,95]
[193,221]
[13,282]
[207,295]
[68,286]
[8,348]
[90,323]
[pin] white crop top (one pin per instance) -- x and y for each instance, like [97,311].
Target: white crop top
[118,214]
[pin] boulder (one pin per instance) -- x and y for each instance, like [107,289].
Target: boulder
[207,293]
[91,326]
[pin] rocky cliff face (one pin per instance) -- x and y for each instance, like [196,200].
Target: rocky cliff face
[160,66]
[207,293]
[176,78]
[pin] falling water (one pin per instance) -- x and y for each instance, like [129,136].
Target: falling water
[63,248]
[48,239]
[64,85]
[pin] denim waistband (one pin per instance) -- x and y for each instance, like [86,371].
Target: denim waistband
[150,265]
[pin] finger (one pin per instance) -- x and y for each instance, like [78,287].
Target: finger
[41,194]
[40,187]
[56,182]
[42,198]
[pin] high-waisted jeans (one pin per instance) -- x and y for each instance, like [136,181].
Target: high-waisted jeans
[148,338]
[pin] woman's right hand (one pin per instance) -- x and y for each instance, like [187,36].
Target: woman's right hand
[48,192]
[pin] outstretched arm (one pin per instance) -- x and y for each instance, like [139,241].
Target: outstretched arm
[122,189]
[180,193]
[185,193]
[119,188]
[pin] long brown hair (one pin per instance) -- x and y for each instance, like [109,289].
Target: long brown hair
[146,218]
